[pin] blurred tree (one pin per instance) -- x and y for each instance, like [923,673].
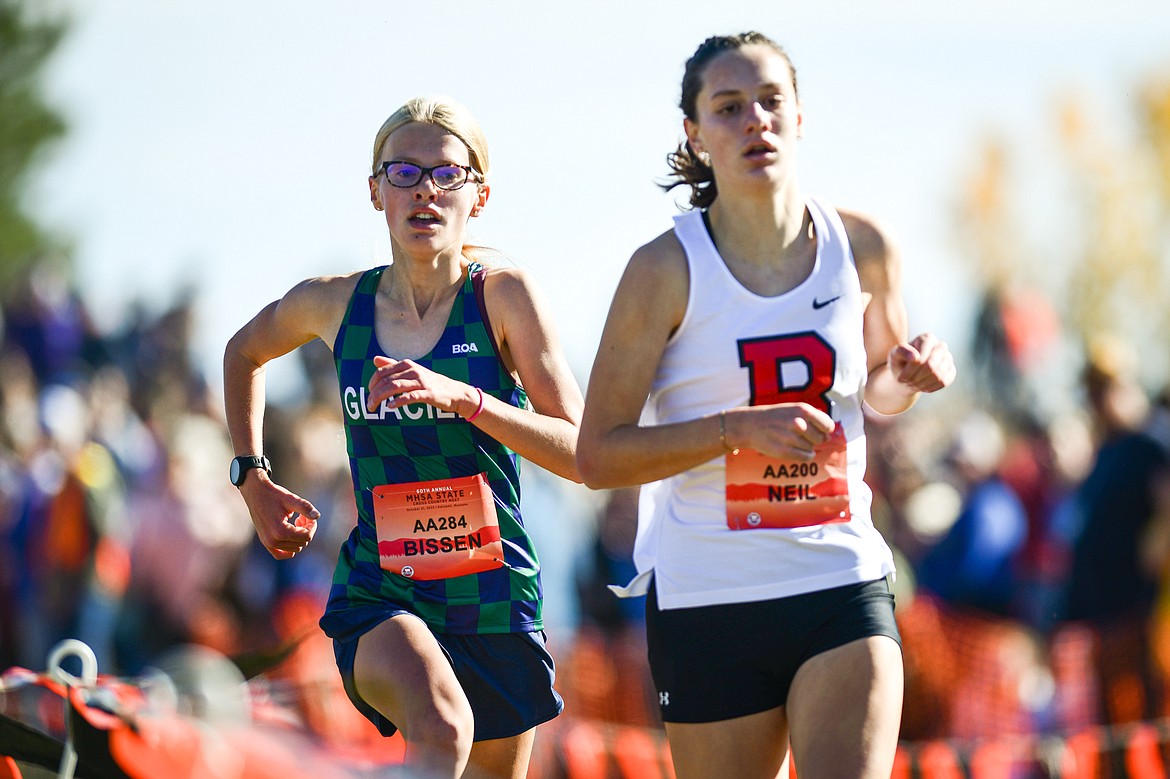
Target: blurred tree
[1154,105]
[1016,325]
[1102,264]
[27,127]
[986,216]
[1118,281]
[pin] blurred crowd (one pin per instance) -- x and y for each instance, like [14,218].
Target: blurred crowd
[1032,590]
[117,524]
[1039,556]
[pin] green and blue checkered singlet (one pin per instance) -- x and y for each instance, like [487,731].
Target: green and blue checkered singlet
[420,443]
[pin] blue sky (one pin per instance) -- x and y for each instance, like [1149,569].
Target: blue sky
[225,145]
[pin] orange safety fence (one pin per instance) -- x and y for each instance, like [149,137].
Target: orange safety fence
[985,698]
[968,710]
[975,676]
[278,743]
[586,749]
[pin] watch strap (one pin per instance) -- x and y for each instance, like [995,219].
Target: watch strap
[247,462]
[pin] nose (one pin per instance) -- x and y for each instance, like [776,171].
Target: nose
[758,117]
[425,189]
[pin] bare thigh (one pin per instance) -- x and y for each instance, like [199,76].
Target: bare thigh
[401,671]
[501,758]
[845,710]
[751,747]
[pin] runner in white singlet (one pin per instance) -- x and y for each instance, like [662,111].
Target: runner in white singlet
[739,352]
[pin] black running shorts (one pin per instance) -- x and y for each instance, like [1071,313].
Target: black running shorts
[714,663]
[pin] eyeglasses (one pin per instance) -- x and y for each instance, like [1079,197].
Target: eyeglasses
[407,174]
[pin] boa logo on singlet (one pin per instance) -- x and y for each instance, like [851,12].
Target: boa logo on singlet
[464,348]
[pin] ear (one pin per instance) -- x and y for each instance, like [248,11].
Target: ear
[375,196]
[799,120]
[692,130]
[481,199]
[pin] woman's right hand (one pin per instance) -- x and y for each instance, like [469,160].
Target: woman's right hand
[285,522]
[784,430]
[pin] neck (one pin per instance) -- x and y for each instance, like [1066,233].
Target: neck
[753,227]
[420,283]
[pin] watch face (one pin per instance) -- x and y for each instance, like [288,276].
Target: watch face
[241,466]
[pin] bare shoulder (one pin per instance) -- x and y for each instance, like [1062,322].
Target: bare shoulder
[321,294]
[870,238]
[327,289]
[316,306]
[657,272]
[508,282]
[875,250]
[653,291]
[520,315]
[663,255]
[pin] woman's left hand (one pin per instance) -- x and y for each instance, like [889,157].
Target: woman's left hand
[401,382]
[924,364]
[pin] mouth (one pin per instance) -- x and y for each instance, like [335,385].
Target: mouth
[423,219]
[759,150]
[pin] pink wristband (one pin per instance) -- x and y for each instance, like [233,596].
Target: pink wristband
[479,410]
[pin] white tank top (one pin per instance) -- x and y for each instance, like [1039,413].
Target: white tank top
[710,364]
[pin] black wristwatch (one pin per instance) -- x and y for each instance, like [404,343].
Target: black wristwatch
[241,466]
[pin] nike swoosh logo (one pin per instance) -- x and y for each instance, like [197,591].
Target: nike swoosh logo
[818,304]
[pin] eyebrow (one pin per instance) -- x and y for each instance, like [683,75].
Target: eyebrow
[771,85]
[417,161]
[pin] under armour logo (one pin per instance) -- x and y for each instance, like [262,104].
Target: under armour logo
[663,699]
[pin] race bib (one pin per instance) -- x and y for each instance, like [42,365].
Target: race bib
[438,529]
[765,492]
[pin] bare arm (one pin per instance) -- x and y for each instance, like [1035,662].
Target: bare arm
[284,522]
[613,449]
[899,368]
[525,331]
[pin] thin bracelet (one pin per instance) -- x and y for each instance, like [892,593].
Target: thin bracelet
[723,430]
[479,410]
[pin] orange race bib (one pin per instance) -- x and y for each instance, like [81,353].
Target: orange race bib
[765,492]
[438,529]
